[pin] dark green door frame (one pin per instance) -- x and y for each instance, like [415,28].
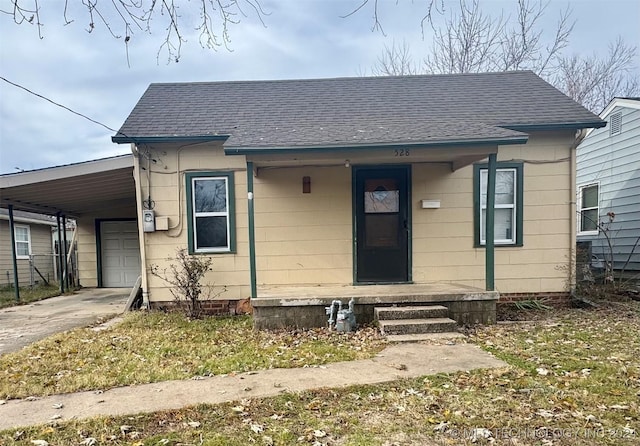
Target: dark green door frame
[407,221]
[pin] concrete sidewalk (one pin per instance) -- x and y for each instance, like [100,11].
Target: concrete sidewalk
[395,362]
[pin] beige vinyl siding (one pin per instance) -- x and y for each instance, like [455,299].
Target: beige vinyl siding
[443,238]
[41,250]
[169,194]
[303,239]
[307,239]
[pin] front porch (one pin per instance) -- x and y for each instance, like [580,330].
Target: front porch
[304,306]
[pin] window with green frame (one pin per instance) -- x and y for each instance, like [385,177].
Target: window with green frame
[210,212]
[508,204]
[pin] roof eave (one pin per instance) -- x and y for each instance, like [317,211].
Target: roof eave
[123,139]
[557,126]
[381,146]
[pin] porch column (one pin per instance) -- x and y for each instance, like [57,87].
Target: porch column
[14,256]
[489,224]
[60,266]
[64,241]
[252,236]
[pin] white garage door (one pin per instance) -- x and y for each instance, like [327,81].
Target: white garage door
[120,253]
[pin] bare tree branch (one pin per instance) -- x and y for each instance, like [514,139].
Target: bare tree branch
[395,61]
[216,18]
[470,41]
[594,81]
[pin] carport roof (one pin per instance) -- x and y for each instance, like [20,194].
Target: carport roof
[71,189]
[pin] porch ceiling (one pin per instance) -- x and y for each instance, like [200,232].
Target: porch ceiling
[456,157]
[73,189]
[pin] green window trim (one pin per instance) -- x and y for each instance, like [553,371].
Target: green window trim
[230,213]
[519,205]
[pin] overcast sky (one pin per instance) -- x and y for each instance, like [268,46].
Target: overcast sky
[89,73]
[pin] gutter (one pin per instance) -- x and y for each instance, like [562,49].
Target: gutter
[246,150]
[30,221]
[123,139]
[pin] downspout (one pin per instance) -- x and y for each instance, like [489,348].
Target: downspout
[573,222]
[14,255]
[141,240]
[489,225]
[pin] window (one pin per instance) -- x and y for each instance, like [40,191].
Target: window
[588,208]
[23,241]
[210,210]
[508,204]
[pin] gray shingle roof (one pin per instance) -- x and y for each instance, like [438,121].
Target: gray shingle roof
[355,111]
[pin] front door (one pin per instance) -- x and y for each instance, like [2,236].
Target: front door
[381,224]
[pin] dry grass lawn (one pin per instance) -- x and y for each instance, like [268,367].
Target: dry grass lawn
[573,379]
[152,347]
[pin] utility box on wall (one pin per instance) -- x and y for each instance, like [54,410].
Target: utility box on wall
[430,204]
[148,220]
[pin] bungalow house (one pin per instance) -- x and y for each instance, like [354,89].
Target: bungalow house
[608,180]
[383,189]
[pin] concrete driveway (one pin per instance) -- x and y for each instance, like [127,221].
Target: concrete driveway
[25,324]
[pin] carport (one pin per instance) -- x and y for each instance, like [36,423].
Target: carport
[100,195]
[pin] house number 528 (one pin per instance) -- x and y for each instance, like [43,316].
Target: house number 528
[401,152]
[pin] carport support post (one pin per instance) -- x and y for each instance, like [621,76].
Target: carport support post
[64,239]
[60,268]
[252,235]
[490,223]
[14,256]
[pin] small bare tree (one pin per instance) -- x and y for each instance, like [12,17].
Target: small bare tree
[185,278]
[613,279]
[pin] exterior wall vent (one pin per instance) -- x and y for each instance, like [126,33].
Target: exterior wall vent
[615,124]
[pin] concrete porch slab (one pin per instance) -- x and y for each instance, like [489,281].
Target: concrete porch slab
[369,294]
[304,306]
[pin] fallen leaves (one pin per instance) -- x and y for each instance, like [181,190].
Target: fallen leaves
[590,380]
[152,347]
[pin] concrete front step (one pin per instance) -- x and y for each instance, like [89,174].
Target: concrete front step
[411,326]
[411,312]
[417,337]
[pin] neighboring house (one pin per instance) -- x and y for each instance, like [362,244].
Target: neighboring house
[34,248]
[608,179]
[304,191]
